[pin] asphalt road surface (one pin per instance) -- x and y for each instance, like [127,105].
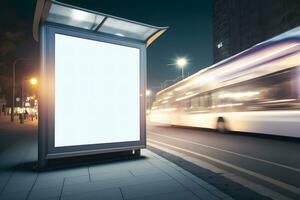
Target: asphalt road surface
[266,164]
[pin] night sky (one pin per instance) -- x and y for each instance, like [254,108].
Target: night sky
[189,34]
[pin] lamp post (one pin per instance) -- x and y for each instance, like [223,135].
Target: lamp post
[13,87]
[181,63]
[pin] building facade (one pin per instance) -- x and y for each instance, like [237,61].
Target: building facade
[238,25]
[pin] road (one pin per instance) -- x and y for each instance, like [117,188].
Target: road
[265,164]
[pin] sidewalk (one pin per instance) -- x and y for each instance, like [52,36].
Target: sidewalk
[5,120]
[150,177]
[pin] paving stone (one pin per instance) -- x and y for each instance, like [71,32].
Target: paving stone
[14,196]
[108,194]
[51,175]
[45,193]
[139,165]
[46,182]
[184,180]
[63,173]
[144,171]
[4,178]
[185,195]
[104,169]
[189,180]
[111,175]
[23,176]
[18,186]
[113,183]
[112,167]
[134,191]
[76,180]
[76,172]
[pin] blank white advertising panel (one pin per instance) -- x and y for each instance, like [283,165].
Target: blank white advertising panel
[96,92]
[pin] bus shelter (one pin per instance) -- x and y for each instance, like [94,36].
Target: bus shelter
[93,81]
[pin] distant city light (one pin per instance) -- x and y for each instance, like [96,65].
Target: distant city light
[220,45]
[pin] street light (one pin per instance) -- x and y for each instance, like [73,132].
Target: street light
[13,86]
[33,81]
[181,63]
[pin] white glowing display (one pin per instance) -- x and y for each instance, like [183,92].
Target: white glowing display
[96,92]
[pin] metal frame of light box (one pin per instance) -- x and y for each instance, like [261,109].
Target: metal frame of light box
[46,148]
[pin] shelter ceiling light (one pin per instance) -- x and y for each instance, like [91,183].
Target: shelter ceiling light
[120,34]
[79,15]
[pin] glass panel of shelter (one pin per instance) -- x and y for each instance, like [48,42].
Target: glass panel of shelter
[126,29]
[74,17]
[90,21]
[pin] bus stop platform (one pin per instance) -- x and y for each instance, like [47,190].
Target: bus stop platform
[148,177]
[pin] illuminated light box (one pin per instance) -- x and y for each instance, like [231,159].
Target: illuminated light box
[96,92]
[93,81]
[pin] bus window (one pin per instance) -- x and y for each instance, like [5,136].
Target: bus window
[187,103]
[204,101]
[278,85]
[195,102]
[208,100]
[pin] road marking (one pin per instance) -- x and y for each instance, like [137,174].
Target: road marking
[231,152]
[286,186]
[246,183]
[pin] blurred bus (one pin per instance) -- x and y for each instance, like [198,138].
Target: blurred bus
[257,90]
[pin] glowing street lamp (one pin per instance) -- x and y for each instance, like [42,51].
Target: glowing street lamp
[181,63]
[33,81]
